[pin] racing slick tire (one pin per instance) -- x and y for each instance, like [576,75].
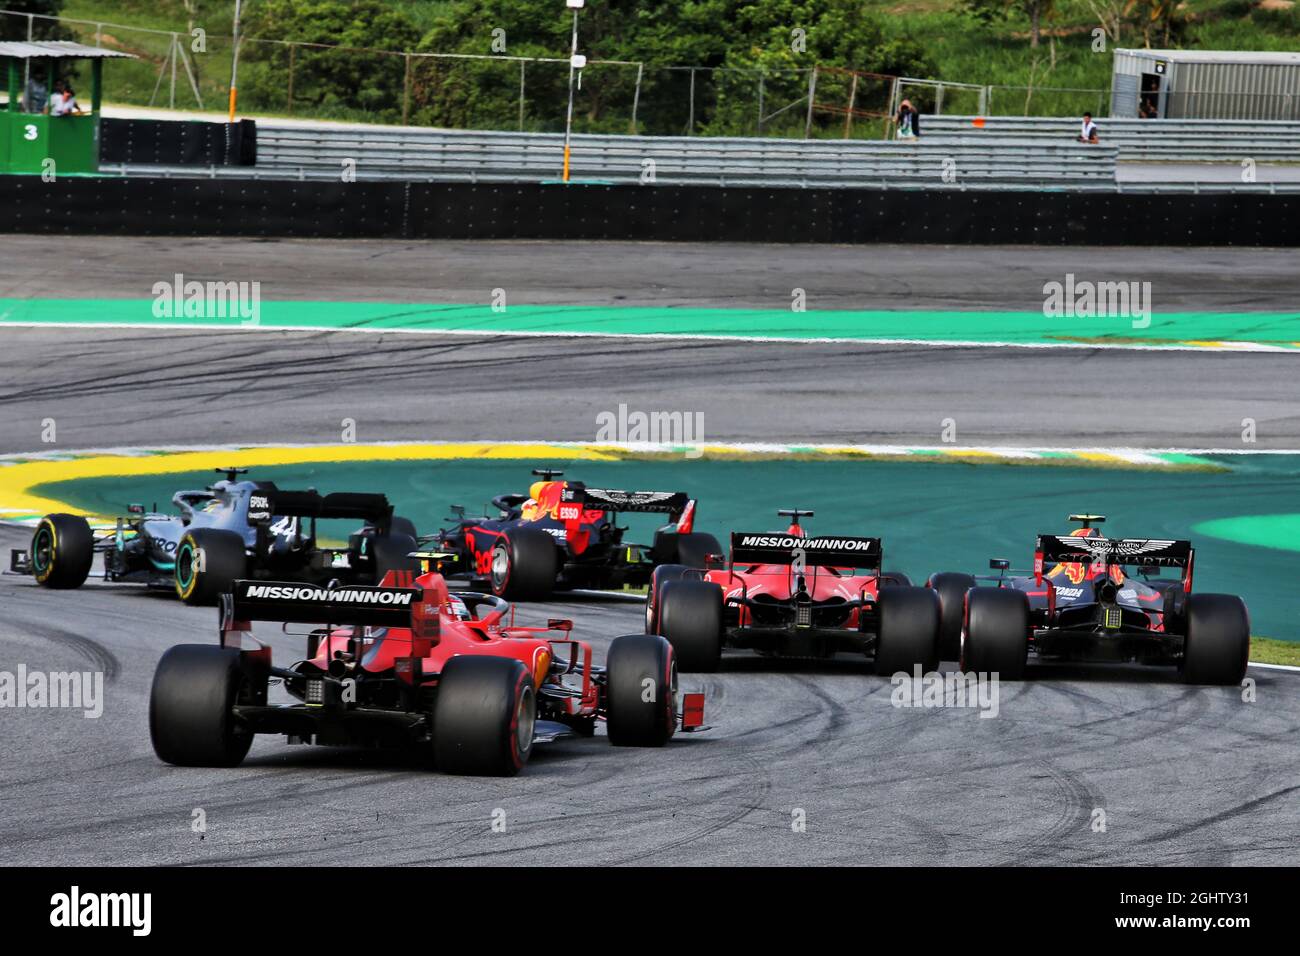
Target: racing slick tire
[895,579]
[390,554]
[693,549]
[997,633]
[400,525]
[1217,644]
[951,586]
[63,549]
[690,617]
[191,721]
[654,593]
[484,716]
[909,630]
[223,562]
[525,564]
[640,666]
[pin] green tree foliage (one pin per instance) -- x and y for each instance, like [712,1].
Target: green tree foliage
[15,28]
[350,77]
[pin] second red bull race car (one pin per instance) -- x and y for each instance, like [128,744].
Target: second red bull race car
[564,535]
[792,594]
[1091,598]
[409,664]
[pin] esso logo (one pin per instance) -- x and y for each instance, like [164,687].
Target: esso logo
[569,512]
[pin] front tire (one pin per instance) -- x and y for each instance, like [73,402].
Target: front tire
[525,564]
[641,666]
[909,630]
[654,593]
[997,633]
[191,721]
[690,617]
[1217,645]
[951,586]
[208,562]
[62,551]
[484,716]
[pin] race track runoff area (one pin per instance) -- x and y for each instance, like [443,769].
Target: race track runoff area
[935,510]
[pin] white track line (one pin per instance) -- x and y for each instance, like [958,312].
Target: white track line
[1236,347]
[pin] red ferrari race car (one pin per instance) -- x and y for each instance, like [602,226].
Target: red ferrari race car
[409,664]
[1091,598]
[795,595]
[564,535]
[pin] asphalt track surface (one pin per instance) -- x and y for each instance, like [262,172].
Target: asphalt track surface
[1184,775]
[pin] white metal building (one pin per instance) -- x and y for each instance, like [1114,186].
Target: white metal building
[1206,84]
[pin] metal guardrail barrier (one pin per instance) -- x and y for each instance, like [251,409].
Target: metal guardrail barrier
[1032,154]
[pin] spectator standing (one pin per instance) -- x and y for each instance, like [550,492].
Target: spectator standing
[908,120]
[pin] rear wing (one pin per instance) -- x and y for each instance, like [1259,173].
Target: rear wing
[285,601]
[671,503]
[1151,552]
[1165,553]
[263,505]
[819,551]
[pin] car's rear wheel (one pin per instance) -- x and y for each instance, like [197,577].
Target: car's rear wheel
[390,554]
[484,716]
[909,630]
[1217,645]
[641,707]
[654,593]
[62,551]
[690,617]
[208,562]
[191,716]
[693,549]
[951,586]
[997,633]
[895,579]
[525,564]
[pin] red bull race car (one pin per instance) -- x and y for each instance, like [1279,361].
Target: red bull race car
[791,594]
[1091,598]
[409,664]
[564,535]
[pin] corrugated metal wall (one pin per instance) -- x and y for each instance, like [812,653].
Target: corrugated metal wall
[1268,91]
[1265,91]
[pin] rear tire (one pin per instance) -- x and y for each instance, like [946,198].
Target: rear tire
[654,593]
[400,525]
[637,666]
[1217,644]
[62,551]
[484,716]
[951,587]
[191,721]
[895,579]
[525,564]
[997,633]
[390,554]
[694,549]
[909,630]
[202,580]
[690,617]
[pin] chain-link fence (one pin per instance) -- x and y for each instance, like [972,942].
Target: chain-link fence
[185,69]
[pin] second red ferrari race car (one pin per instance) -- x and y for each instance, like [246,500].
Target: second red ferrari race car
[409,664]
[794,595]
